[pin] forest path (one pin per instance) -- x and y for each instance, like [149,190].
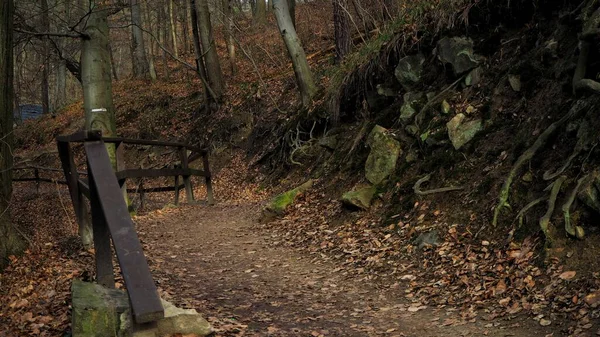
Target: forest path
[218,260]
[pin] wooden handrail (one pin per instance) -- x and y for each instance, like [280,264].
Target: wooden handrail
[110,215]
[106,192]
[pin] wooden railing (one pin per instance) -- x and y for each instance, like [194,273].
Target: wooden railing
[110,216]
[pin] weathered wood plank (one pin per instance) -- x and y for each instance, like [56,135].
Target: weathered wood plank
[145,303]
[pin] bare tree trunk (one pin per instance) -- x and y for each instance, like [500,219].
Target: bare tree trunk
[10,242]
[148,28]
[198,50]
[292,7]
[229,25]
[173,24]
[46,59]
[260,14]
[141,68]
[304,77]
[185,28]
[342,29]
[211,58]
[163,37]
[113,64]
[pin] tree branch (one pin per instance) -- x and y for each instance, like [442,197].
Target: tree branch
[71,35]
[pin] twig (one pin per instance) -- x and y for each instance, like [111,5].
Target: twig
[418,191]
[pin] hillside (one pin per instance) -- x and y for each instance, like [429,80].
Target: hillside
[453,156]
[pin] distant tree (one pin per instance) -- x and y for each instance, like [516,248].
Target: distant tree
[10,242]
[260,13]
[341,29]
[304,76]
[173,25]
[210,56]
[229,25]
[141,67]
[45,85]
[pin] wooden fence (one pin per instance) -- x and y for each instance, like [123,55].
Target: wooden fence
[110,216]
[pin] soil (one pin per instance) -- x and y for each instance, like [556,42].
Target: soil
[217,260]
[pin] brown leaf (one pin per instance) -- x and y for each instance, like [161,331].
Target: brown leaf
[568,275]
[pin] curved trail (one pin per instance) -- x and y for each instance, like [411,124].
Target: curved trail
[217,260]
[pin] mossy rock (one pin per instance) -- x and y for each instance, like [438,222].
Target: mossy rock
[385,150]
[360,198]
[280,203]
[413,102]
[458,52]
[461,132]
[99,312]
[410,70]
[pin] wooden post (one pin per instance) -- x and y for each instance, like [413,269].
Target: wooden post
[70,170]
[37,181]
[142,193]
[209,191]
[104,263]
[176,190]
[187,181]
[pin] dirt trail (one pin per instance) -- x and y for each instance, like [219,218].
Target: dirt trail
[217,260]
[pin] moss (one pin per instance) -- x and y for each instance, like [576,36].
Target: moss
[360,198]
[279,204]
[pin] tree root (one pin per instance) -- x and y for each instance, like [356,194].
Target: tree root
[545,220]
[417,187]
[527,207]
[574,231]
[575,110]
[589,33]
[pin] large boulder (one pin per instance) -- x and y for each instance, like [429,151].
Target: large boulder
[410,70]
[280,203]
[458,52]
[102,312]
[98,311]
[413,102]
[383,156]
[360,197]
[461,132]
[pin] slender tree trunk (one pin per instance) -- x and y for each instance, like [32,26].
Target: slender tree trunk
[45,59]
[260,15]
[292,7]
[211,58]
[163,37]
[341,28]
[229,25]
[304,77]
[141,68]
[198,52]
[113,63]
[173,24]
[148,27]
[185,26]
[10,242]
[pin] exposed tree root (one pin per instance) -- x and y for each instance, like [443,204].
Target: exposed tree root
[545,220]
[583,139]
[527,207]
[590,32]
[417,187]
[575,110]
[575,231]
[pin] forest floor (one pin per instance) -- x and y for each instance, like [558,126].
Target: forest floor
[221,260]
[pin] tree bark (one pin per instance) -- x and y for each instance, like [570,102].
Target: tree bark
[211,58]
[173,24]
[185,26]
[148,27]
[260,13]
[201,69]
[45,59]
[292,7]
[229,26]
[342,29]
[304,77]
[10,242]
[141,68]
